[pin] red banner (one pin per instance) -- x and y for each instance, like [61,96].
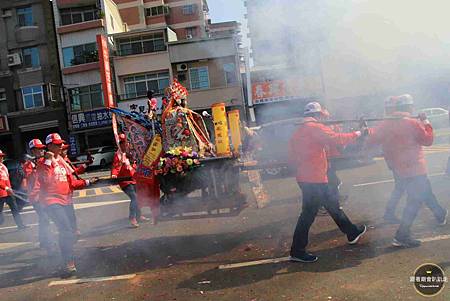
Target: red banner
[105,70]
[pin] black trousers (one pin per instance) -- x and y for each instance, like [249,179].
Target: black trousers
[419,191]
[333,180]
[14,210]
[62,217]
[314,197]
[44,226]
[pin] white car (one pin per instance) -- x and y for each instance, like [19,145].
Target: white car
[438,117]
[102,155]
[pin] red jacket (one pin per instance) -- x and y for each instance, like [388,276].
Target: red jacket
[31,181]
[402,142]
[307,149]
[4,180]
[57,182]
[121,167]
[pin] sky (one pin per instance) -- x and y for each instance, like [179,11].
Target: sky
[229,10]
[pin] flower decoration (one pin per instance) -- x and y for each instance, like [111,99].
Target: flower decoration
[179,160]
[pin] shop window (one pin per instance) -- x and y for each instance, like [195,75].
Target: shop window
[199,78]
[33,97]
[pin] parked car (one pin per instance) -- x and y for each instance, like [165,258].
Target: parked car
[102,155]
[273,139]
[438,117]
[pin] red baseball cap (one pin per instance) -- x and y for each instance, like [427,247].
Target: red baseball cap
[36,143]
[65,146]
[54,138]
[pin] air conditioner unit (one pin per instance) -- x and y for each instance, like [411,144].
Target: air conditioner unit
[182,67]
[189,36]
[14,59]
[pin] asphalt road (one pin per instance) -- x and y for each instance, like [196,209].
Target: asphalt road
[179,258]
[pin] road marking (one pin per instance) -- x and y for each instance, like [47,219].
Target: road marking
[77,207]
[11,245]
[15,227]
[392,180]
[81,194]
[284,259]
[435,238]
[252,263]
[86,280]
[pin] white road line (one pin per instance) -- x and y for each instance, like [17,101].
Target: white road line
[439,237]
[11,245]
[15,227]
[392,180]
[252,263]
[80,206]
[86,280]
[284,259]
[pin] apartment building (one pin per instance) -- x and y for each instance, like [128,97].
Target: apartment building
[187,18]
[77,23]
[149,59]
[31,103]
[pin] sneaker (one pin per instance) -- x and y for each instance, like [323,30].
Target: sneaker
[444,220]
[306,258]
[354,239]
[406,243]
[391,219]
[143,219]
[134,223]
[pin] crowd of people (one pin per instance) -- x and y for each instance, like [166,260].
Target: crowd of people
[401,137]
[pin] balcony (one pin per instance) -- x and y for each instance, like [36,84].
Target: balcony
[80,26]
[81,68]
[74,3]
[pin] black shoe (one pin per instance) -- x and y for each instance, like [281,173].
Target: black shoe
[305,257]
[406,243]
[391,219]
[355,238]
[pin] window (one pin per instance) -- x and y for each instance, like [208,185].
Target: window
[78,15]
[157,11]
[230,73]
[2,95]
[81,54]
[138,85]
[199,78]
[30,57]
[189,9]
[24,16]
[191,32]
[142,44]
[86,98]
[33,97]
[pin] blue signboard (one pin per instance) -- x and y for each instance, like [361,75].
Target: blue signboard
[73,147]
[91,119]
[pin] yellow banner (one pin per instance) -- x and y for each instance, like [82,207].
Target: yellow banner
[153,151]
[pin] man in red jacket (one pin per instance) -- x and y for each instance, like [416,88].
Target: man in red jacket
[307,150]
[5,195]
[402,140]
[123,168]
[57,184]
[32,186]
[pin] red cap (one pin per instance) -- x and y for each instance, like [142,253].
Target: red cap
[35,143]
[65,146]
[54,138]
[122,138]
[2,154]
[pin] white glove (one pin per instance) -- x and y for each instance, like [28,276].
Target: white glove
[358,133]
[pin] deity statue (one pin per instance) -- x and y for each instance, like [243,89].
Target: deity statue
[182,126]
